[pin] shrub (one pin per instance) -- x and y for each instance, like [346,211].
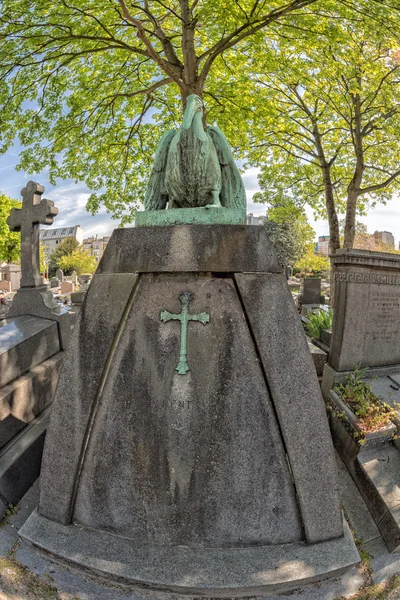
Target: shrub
[321,319]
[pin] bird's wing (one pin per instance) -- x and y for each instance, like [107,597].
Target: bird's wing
[156,197]
[233,194]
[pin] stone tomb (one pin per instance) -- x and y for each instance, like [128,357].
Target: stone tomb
[188,462]
[365,333]
[366,329]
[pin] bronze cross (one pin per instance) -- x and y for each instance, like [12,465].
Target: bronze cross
[184,317]
[27,220]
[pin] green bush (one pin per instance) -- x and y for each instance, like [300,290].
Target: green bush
[370,411]
[321,319]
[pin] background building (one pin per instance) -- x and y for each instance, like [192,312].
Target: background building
[96,246]
[52,237]
[323,245]
[252,220]
[385,238]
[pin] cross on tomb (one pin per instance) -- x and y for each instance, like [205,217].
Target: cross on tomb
[184,317]
[27,220]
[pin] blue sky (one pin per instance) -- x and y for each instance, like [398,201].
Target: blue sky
[71,197]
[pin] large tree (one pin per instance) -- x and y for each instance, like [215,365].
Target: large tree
[332,126]
[10,242]
[90,86]
[288,229]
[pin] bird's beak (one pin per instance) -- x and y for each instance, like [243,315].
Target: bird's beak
[191,109]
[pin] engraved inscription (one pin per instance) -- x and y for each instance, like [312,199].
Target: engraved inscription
[379,278]
[383,322]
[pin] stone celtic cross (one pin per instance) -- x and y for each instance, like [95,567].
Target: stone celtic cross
[27,220]
[184,317]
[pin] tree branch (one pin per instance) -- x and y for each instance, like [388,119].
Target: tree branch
[379,186]
[164,65]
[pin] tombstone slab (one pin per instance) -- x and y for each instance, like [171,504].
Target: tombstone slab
[185,376]
[311,290]
[366,327]
[66,287]
[24,343]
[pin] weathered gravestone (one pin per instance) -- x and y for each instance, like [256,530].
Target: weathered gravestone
[365,334]
[66,287]
[33,297]
[311,292]
[189,447]
[74,278]
[12,275]
[60,275]
[30,360]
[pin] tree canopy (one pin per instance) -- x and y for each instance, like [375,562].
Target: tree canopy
[80,260]
[90,87]
[288,229]
[65,248]
[10,242]
[331,123]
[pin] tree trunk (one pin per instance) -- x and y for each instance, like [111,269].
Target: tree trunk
[334,236]
[350,222]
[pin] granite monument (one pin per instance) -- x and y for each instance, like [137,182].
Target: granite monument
[179,456]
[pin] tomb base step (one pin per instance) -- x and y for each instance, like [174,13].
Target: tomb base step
[231,572]
[20,461]
[379,474]
[376,472]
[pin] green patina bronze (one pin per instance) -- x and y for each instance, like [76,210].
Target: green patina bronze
[184,317]
[194,168]
[189,216]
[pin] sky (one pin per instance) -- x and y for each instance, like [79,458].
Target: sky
[70,199]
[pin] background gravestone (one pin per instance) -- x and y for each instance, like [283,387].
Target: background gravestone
[60,275]
[33,297]
[366,327]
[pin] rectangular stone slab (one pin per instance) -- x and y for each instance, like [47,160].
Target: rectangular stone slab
[366,328]
[20,460]
[26,397]
[24,343]
[198,248]
[102,310]
[295,392]
[190,216]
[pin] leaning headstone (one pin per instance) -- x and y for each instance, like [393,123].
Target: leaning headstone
[74,278]
[191,367]
[33,297]
[60,275]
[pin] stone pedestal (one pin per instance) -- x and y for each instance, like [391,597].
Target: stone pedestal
[39,302]
[197,452]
